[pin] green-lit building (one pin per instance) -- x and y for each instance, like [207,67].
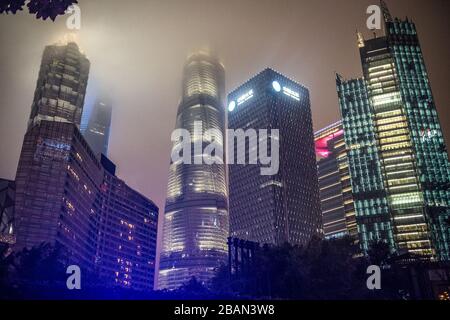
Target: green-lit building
[398,160]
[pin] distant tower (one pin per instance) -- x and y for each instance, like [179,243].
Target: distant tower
[196,213]
[283,207]
[99,126]
[398,160]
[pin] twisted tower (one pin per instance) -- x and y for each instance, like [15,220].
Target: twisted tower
[196,213]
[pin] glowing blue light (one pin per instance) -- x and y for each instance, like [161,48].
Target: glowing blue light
[276,86]
[231,106]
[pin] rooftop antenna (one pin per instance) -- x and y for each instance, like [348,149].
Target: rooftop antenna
[386,14]
[360,39]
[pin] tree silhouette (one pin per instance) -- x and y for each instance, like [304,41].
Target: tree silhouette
[43,9]
[6,262]
[193,286]
[25,271]
[379,253]
[322,270]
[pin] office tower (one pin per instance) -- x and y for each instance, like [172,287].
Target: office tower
[98,128]
[61,85]
[45,157]
[335,190]
[67,195]
[196,213]
[398,159]
[55,190]
[127,233]
[7,195]
[283,207]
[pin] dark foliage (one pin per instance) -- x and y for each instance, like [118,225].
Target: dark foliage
[43,9]
[11,6]
[324,270]
[379,253]
[40,273]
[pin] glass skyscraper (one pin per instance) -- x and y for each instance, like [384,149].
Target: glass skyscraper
[398,159]
[196,213]
[285,206]
[126,233]
[57,107]
[61,86]
[99,125]
[338,210]
[68,195]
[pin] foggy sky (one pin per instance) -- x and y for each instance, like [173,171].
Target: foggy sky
[137,50]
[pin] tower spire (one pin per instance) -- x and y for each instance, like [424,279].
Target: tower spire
[360,39]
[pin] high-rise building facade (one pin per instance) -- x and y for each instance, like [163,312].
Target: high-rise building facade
[67,195]
[7,196]
[57,107]
[98,128]
[398,159]
[55,189]
[338,211]
[282,207]
[196,214]
[127,233]
[61,85]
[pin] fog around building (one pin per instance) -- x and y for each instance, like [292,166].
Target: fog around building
[137,49]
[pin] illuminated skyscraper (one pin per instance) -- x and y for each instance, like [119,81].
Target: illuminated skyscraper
[57,107]
[338,211]
[398,159]
[98,128]
[61,86]
[126,233]
[196,213]
[284,206]
[68,195]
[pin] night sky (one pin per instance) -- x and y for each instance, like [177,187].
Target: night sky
[137,50]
